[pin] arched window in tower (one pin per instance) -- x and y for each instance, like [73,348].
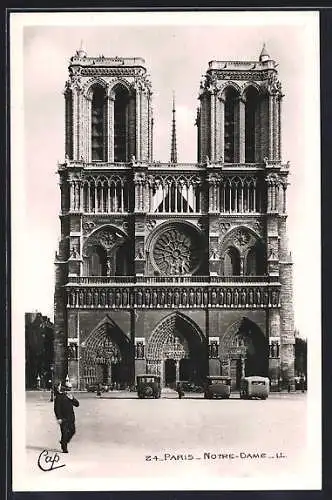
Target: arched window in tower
[229,129]
[98,141]
[121,124]
[251,128]
[96,263]
[232,262]
[255,261]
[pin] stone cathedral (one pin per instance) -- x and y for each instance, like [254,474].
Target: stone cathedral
[175,269]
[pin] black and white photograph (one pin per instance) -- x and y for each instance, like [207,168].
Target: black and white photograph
[165,225]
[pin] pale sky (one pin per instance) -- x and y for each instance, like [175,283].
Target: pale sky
[177,52]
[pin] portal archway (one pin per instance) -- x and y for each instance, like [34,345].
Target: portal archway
[177,343]
[244,351]
[107,355]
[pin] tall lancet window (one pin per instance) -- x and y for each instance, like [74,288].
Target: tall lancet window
[98,125]
[229,131]
[251,125]
[121,124]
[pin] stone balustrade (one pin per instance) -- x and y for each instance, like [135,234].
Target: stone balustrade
[208,296]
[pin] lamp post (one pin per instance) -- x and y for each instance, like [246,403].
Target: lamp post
[52,383]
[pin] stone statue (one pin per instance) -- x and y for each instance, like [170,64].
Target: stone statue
[139,298]
[184,298]
[154,298]
[117,298]
[191,297]
[147,298]
[214,297]
[108,267]
[124,298]
[236,298]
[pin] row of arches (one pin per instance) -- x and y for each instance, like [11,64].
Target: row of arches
[174,195]
[175,350]
[237,194]
[98,261]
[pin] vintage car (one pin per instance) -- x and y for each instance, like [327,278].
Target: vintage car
[148,386]
[217,387]
[189,386]
[94,387]
[254,387]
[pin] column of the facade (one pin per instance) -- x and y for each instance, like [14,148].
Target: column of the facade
[138,124]
[242,130]
[275,128]
[71,196]
[110,127]
[145,125]
[273,326]
[212,126]
[76,137]
[279,156]
[220,125]
[108,198]
[88,101]
[150,196]
[270,119]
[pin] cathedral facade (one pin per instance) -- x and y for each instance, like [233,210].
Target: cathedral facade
[175,269]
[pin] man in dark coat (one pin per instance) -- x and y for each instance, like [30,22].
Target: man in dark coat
[64,412]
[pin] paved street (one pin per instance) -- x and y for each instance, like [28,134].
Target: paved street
[119,435]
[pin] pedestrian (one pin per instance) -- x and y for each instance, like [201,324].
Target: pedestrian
[64,412]
[179,390]
[99,390]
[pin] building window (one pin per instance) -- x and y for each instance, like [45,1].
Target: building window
[97,261]
[232,262]
[121,124]
[97,125]
[255,261]
[251,125]
[229,129]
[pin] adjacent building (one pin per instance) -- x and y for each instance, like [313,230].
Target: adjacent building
[177,269]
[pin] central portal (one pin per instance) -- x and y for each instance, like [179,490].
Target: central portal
[176,351]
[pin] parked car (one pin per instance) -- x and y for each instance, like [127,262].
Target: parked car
[217,387]
[188,386]
[148,386]
[94,387]
[254,387]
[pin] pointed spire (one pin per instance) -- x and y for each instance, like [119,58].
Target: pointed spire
[81,52]
[264,56]
[174,158]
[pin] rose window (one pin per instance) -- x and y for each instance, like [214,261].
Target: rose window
[177,251]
